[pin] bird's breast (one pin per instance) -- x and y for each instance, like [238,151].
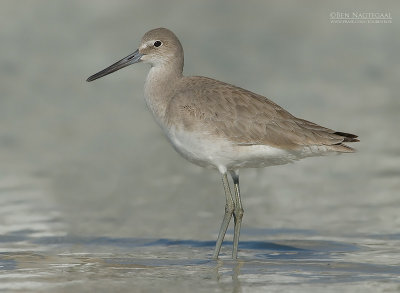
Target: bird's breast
[196,147]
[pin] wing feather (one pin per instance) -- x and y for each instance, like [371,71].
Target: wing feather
[223,110]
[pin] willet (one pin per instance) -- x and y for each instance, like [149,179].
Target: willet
[222,126]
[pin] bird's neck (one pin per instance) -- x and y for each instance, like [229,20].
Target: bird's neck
[159,88]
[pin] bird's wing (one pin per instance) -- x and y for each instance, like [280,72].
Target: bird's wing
[245,118]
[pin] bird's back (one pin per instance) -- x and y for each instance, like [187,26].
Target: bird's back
[217,109]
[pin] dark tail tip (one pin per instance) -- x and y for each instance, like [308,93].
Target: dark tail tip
[348,137]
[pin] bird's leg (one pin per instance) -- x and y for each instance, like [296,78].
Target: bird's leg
[237,213]
[229,208]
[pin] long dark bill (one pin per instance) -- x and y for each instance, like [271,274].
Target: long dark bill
[128,60]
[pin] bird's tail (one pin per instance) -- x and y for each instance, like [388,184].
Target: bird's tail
[341,147]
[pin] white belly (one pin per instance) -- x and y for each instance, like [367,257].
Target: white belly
[207,151]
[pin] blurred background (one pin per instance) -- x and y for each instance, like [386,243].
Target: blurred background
[84,160]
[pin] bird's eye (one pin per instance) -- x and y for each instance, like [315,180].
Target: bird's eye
[157,43]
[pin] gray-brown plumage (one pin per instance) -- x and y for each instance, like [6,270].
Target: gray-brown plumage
[224,110]
[218,125]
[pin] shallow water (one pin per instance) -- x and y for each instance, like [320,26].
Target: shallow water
[37,254]
[93,198]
